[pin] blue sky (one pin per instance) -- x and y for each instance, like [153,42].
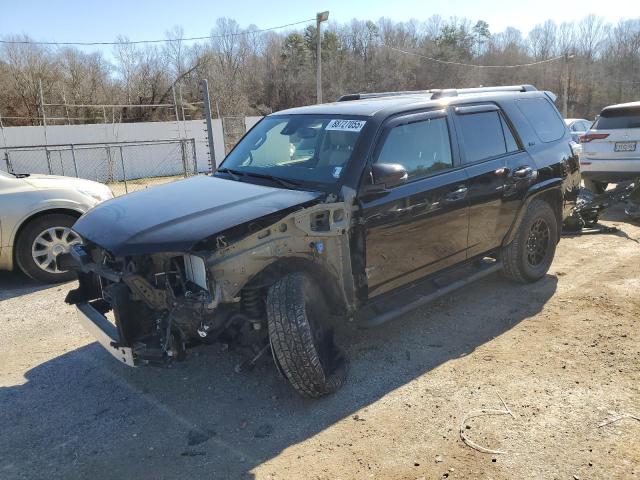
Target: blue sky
[83,20]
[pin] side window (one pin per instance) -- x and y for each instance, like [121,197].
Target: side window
[543,117]
[420,147]
[509,139]
[482,135]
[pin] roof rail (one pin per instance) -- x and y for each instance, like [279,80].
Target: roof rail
[504,88]
[439,93]
[363,96]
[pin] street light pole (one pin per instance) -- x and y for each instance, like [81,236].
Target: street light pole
[320,17]
[565,84]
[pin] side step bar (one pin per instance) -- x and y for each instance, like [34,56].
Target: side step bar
[367,321]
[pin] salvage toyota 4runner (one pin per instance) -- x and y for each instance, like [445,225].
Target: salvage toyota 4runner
[358,210]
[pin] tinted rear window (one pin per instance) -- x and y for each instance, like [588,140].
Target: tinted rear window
[543,117]
[612,119]
[481,135]
[510,140]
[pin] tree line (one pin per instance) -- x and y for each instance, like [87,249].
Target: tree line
[255,73]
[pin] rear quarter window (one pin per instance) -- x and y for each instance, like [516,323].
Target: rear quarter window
[543,117]
[482,136]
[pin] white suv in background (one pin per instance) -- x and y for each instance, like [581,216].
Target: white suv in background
[610,149]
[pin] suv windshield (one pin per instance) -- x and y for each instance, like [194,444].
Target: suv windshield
[299,148]
[615,118]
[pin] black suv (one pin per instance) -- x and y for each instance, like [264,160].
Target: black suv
[358,210]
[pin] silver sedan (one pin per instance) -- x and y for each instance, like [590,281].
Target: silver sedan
[36,216]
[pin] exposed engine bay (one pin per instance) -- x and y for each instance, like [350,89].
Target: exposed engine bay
[162,303]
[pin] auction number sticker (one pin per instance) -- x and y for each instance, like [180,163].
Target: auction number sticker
[346,125]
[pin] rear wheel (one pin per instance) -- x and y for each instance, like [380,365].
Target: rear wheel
[595,186]
[528,257]
[301,341]
[39,244]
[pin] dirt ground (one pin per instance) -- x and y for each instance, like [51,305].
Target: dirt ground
[564,354]
[122,188]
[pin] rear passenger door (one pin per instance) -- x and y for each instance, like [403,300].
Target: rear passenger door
[493,158]
[420,226]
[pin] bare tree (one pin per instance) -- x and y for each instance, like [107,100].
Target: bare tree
[253,72]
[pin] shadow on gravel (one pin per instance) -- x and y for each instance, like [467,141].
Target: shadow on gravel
[15,284]
[616,214]
[82,415]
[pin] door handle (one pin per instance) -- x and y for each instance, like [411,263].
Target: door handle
[523,172]
[459,193]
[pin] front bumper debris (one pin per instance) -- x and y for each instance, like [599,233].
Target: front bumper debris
[104,332]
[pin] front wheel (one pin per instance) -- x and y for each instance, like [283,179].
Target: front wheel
[300,339]
[528,257]
[39,244]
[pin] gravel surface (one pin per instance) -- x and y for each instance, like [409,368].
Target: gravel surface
[563,353]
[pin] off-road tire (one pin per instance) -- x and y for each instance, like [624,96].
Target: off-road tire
[515,256]
[25,240]
[595,186]
[301,340]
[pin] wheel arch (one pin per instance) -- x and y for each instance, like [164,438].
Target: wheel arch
[327,281]
[549,191]
[33,216]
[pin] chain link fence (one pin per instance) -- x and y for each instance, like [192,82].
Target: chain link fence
[124,166]
[233,128]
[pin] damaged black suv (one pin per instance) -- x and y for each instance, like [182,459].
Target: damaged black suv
[358,210]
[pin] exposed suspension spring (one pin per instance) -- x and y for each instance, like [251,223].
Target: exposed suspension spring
[252,302]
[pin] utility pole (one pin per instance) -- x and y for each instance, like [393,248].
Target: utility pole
[565,85]
[320,17]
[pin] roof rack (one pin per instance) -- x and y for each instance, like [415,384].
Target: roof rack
[362,96]
[439,93]
[505,88]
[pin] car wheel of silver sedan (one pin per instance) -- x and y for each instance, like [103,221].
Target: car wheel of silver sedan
[49,244]
[39,244]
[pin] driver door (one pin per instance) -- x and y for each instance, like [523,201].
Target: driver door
[421,226]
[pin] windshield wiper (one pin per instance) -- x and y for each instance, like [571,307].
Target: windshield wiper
[278,180]
[234,174]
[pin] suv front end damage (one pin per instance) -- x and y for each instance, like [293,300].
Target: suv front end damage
[164,302]
[160,303]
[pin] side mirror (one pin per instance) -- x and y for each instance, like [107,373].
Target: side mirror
[388,175]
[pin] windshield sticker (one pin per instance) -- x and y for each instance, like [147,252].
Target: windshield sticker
[336,172]
[346,125]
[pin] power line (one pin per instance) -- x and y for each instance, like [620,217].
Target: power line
[449,62]
[207,37]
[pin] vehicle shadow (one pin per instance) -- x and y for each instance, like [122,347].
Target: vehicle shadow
[83,415]
[15,284]
[617,215]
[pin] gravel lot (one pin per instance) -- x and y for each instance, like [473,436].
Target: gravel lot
[564,354]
